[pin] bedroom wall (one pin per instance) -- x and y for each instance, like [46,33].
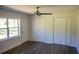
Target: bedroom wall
[9,43]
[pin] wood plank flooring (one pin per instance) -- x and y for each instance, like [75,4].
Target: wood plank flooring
[32,47]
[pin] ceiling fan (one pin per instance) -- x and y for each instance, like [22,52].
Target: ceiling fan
[39,13]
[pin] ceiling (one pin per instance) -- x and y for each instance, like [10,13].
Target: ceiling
[44,8]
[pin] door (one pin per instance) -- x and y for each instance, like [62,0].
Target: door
[59,30]
[43,28]
[68,31]
[49,29]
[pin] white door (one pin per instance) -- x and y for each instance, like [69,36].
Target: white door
[68,31]
[55,30]
[38,27]
[43,29]
[49,29]
[59,30]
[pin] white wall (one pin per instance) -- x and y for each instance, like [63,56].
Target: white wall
[10,43]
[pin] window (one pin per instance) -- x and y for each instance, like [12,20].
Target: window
[9,27]
[3,28]
[13,27]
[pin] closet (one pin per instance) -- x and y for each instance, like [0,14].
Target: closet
[51,29]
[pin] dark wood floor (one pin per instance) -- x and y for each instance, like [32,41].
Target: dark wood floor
[32,47]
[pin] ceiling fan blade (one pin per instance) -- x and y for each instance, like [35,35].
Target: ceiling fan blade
[46,13]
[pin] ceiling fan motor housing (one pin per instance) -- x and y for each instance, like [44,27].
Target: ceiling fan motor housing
[38,13]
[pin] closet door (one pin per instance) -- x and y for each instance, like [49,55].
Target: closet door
[49,29]
[59,30]
[38,28]
[68,31]
[43,29]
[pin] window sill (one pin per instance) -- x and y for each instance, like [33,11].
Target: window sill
[9,38]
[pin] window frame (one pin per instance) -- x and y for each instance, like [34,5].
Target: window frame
[7,28]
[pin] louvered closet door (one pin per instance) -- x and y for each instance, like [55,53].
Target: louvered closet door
[59,30]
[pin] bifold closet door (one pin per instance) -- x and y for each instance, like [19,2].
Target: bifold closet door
[68,28]
[49,29]
[43,29]
[59,30]
[55,30]
[38,28]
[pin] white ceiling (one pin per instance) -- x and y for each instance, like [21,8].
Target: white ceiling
[44,8]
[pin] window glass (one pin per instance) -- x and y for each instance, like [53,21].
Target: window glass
[3,33]
[3,23]
[13,23]
[3,28]
[13,32]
